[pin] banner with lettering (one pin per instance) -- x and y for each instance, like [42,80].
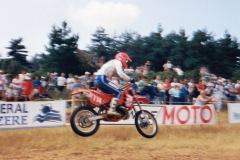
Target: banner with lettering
[176,115]
[233,112]
[32,114]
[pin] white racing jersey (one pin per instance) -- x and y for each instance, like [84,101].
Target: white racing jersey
[113,68]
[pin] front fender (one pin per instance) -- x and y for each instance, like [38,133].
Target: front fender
[142,99]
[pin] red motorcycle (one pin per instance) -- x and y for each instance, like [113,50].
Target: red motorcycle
[85,120]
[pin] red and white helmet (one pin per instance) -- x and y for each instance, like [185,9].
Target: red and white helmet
[123,58]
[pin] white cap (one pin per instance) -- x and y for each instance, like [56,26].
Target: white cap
[28,74]
[27,77]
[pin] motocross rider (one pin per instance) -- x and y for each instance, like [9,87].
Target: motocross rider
[114,67]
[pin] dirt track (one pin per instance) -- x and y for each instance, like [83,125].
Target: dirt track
[123,143]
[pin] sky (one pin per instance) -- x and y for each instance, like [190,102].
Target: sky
[33,19]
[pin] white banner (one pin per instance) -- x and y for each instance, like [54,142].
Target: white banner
[176,115]
[32,114]
[234,112]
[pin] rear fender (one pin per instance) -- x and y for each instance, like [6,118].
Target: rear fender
[95,98]
[80,91]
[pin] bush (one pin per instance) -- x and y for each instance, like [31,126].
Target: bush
[167,75]
[236,75]
[192,74]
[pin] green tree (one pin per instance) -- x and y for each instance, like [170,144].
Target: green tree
[62,49]
[197,54]
[102,44]
[226,56]
[179,48]
[221,56]
[36,62]
[18,61]
[154,44]
[18,51]
[12,66]
[132,43]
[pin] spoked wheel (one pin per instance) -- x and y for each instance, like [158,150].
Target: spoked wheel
[146,124]
[81,124]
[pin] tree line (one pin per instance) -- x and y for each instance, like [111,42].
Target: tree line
[220,55]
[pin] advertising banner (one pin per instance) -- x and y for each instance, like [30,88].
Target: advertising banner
[234,112]
[176,115]
[32,114]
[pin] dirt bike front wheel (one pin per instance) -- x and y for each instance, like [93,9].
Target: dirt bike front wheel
[81,123]
[146,124]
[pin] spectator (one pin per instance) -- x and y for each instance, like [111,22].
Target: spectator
[70,81]
[9,94]
[218,94]
[174,93]
[178,70]
[209,88]
[146,68]
[230,91]
[141,84]
[162,91]
[237,87]
[36,86]
[2,84]
[184,94]
[17,87]
[27,88]
[151,92]
[42,88]
[22,75]
[77,83]
[158,79]
[202,85]
[191,83]
[167,85]
[61,81]
[193,92]
[85,78]
[167,66]
[52,81]
[203,99]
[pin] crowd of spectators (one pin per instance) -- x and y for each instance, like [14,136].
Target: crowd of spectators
[26,87]
[209,88]
[187,91]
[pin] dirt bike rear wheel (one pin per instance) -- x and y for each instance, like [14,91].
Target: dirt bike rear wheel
[146,124]
[80,122]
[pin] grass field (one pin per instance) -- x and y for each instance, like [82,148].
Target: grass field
[221,141]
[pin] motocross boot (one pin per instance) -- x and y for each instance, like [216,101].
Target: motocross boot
[113,106]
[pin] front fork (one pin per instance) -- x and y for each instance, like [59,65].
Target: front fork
[136,104]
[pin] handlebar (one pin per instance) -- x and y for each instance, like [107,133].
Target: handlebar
[126,86]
